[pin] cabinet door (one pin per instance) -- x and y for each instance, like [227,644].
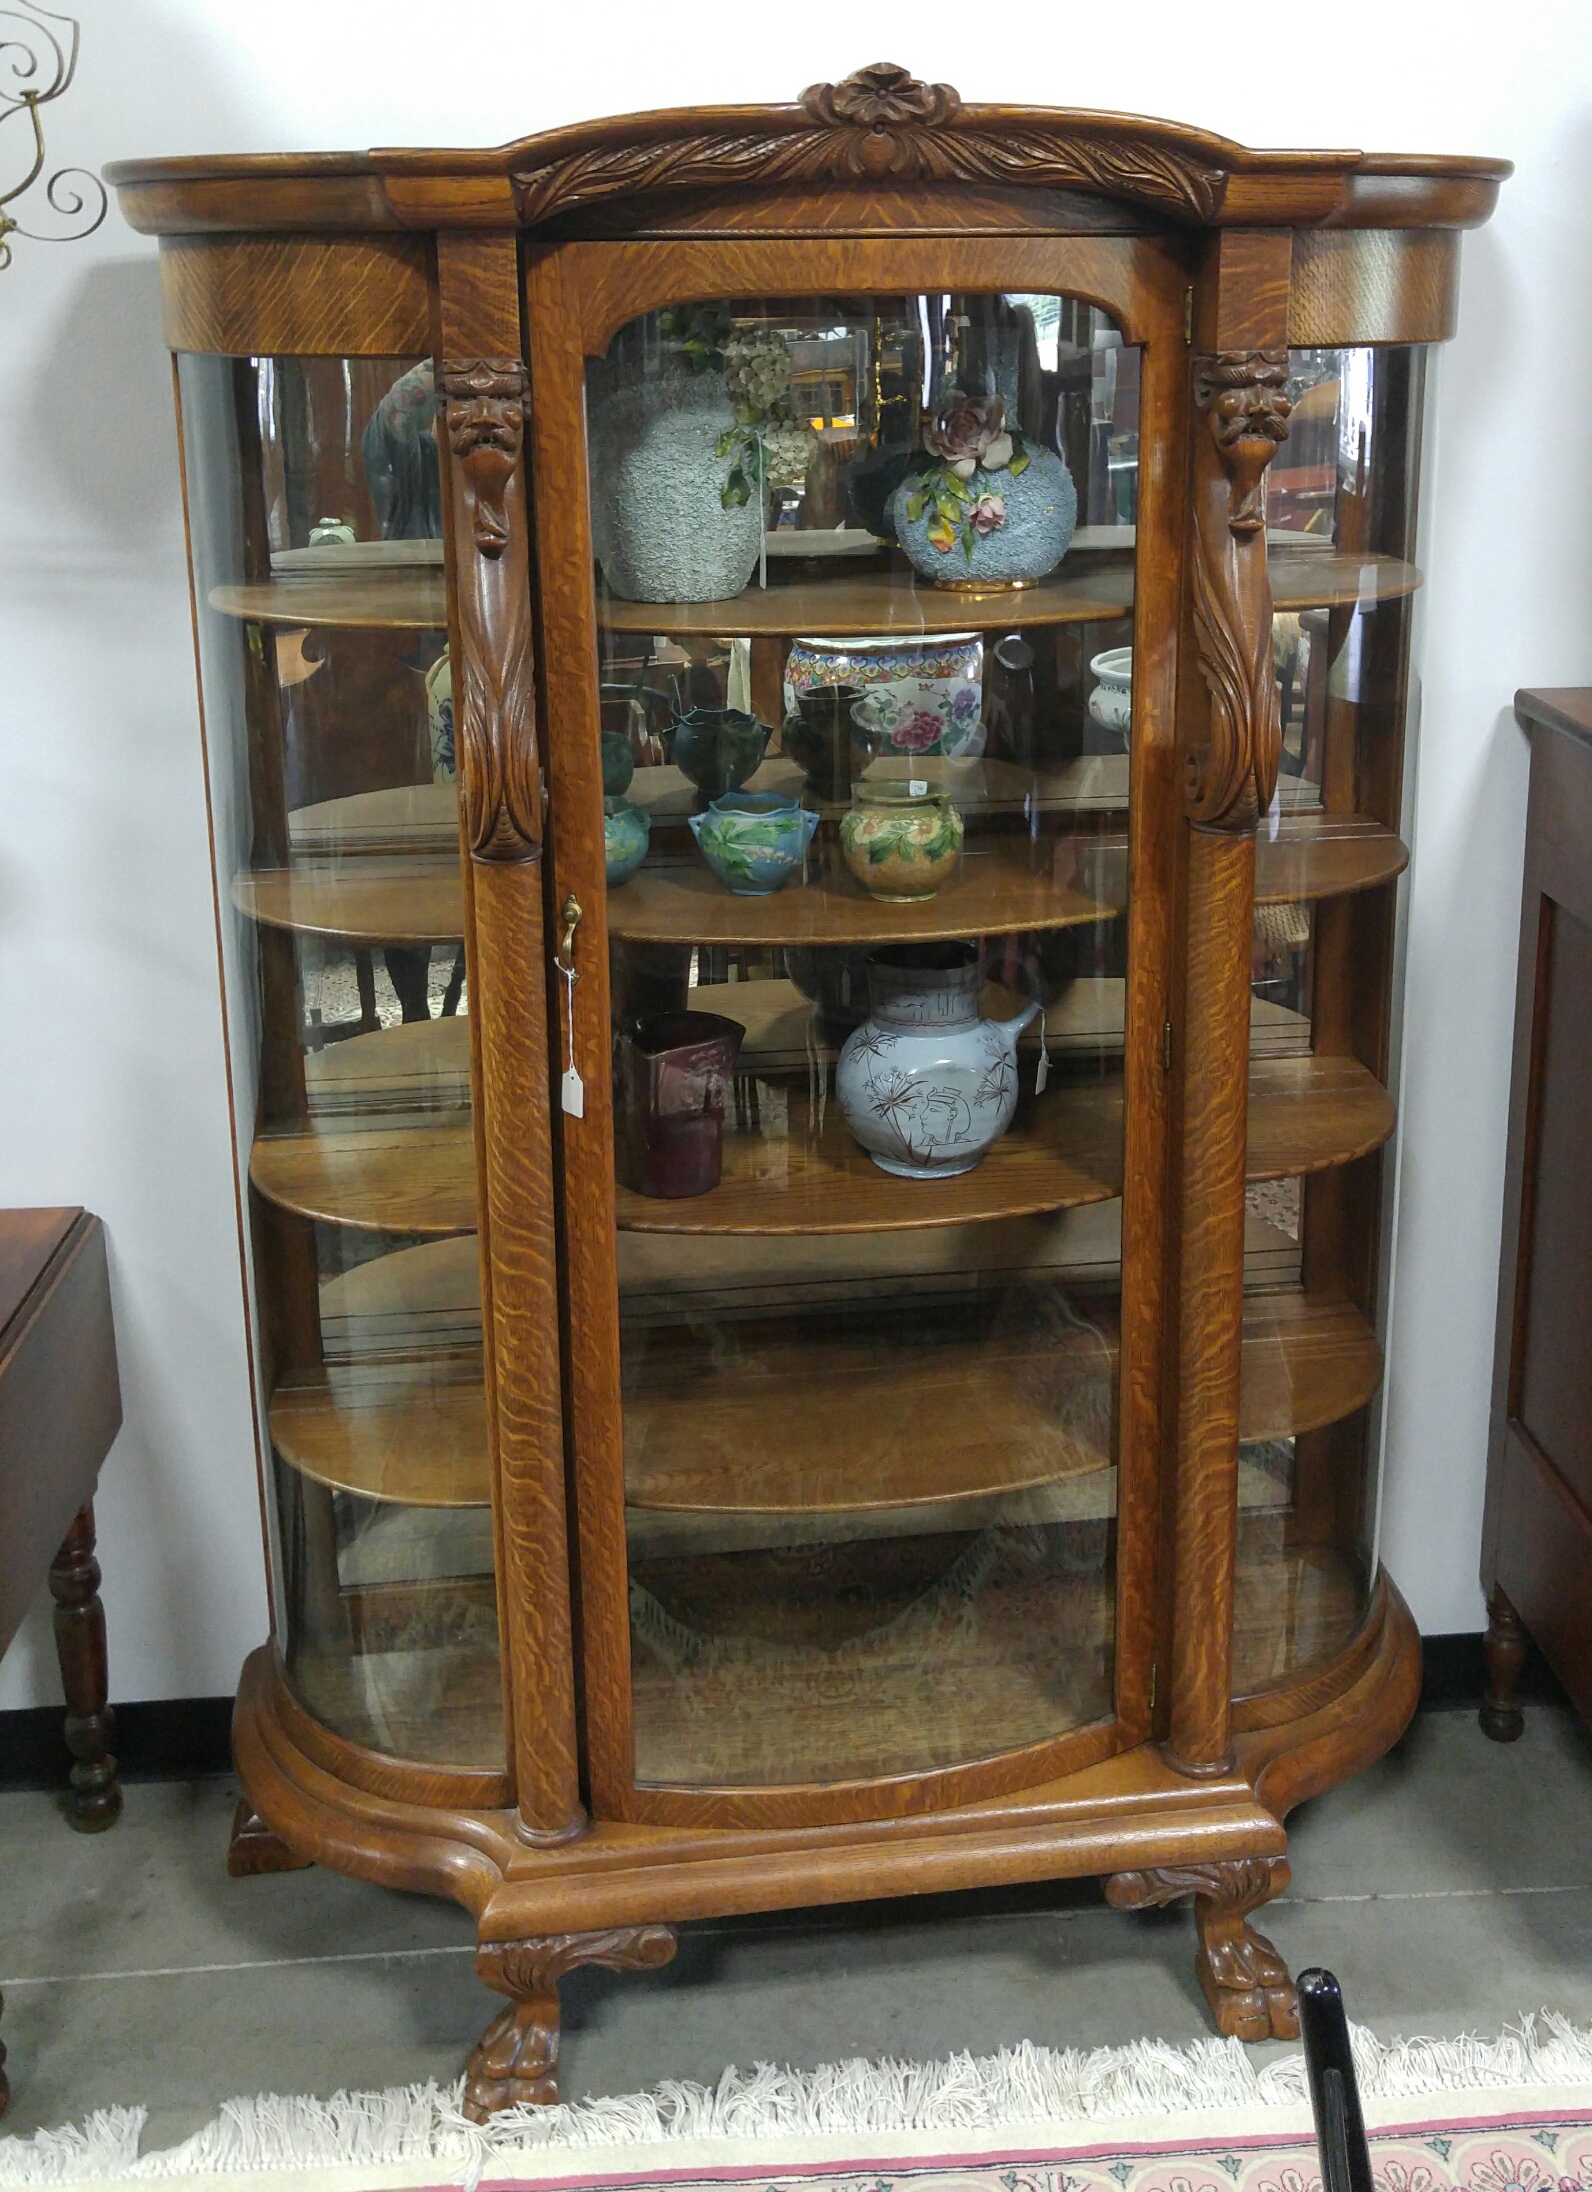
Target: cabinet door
[859,1025]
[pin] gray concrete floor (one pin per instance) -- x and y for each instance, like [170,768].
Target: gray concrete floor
[1450,1888]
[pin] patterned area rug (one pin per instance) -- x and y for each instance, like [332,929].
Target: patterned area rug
[1509,2115]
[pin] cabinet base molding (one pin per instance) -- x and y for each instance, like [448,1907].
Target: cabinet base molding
[252,1847]
[1245,1981]
[1151,1833]
[516,2064]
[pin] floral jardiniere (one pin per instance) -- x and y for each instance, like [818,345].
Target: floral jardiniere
[899,842]
[988,508]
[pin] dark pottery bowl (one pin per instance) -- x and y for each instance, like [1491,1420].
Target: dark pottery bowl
[719,748]
[819,737]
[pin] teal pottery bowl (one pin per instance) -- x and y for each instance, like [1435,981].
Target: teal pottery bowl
[626,830]
[754,841]
[718,748]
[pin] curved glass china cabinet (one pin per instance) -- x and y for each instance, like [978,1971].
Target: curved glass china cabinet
[805,712]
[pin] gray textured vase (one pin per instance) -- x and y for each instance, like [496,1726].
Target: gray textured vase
[1041,516]
[659,528]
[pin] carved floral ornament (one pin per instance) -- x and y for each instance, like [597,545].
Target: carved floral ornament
[881,123]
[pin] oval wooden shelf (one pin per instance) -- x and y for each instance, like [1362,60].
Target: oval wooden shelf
[1066,1152]
[395,1178]
[828,1425]
[417,1173]
[1306,1363]
[837,1425]
[881,603]
[1318,855]
[399,1413]
[402,819]
[996,893]
[866,603]
[358,902]
[404,601]
[421,1066]
[409,1434]
[1308,1113]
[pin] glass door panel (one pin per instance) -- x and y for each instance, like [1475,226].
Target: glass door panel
[1341,535]
[864,592]
[315,521]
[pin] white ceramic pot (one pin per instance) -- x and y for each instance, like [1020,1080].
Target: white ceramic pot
[925,1083]
[1111,702]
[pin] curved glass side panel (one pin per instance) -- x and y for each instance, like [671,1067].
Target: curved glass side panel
[1341,533]
[864,590]
[315,524]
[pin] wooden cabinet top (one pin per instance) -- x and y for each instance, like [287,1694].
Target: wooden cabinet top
[872,143]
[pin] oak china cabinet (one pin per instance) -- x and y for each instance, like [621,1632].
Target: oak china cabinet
[805,712]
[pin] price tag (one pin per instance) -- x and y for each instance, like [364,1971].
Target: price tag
[917,786]
[572,1089]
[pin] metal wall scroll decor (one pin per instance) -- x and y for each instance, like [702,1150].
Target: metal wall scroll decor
[38,59]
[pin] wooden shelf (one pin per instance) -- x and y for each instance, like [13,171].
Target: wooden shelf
[863,1421]
[393,1147]
[863,603]
[399,601]
[402,819]
[359,901]
[1318,855]
[408,1433]
[872,602]
[1092,784]
[1066,1151]
[1316,580]
[1306,1114]
[1307,1362]
[423,1065]
[998,891]
[394,1176]
[878,603]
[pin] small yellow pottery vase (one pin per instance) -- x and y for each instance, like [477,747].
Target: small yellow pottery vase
[901,843]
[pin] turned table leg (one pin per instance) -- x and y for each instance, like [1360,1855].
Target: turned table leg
[1245,1981]
[517,2060]
[85,1676]
[1504,1650]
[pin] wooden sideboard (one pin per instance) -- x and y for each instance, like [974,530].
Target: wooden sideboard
[1537,1537]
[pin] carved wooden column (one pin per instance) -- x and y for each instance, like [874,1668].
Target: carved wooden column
[482,391]
[1241,415]
[516,2064]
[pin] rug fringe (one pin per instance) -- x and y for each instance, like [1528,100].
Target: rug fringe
[1019,2085]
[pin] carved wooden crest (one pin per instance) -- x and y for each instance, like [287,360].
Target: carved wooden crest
[881,122]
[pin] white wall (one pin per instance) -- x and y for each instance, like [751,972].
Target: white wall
[112,1091]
